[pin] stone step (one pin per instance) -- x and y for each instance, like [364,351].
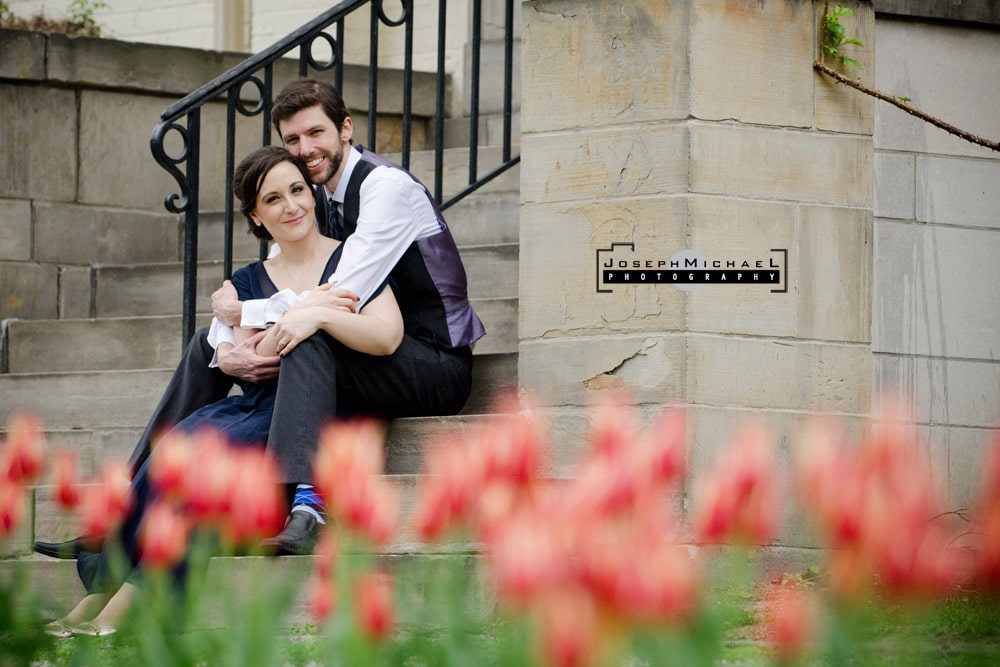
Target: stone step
[106,402]
[456,170]
[238,581]
[52,523]
[157,289]
[121,343]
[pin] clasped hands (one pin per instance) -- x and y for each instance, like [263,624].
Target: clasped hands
[242,360]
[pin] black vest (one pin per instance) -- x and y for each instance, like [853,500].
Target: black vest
[429,280]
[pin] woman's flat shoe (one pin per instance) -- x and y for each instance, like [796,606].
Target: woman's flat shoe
[58,629]
[94,630]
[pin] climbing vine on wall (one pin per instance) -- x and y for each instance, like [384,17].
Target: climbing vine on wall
[832,41]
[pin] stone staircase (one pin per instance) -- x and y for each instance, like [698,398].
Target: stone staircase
[94,381]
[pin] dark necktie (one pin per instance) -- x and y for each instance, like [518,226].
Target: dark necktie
[336,222]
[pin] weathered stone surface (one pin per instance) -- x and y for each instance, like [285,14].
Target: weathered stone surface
[958,191]
[603,163]
[780,164]
[737,230]
[74,292]
[29,291]
[70,400]
[895,183]
[840,108]
[15,230]
[778,374]
[627,59]
[22,55]
[770,86]
[114,133]
[957,392]
[559,287]
[650,367]
[39,150]
[70,234]
[935,291]
[948,72]
[834,274]
[968,451]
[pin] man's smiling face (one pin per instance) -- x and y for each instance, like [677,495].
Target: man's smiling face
[311,136]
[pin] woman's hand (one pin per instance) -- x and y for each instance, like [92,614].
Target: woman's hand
[330,296]
[298,323]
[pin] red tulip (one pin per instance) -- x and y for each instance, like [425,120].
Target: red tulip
[11,507]
[163,537]
[375,605]
[103,505]
[65,479]
[21,457]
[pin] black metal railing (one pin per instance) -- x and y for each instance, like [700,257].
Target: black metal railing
[183,121]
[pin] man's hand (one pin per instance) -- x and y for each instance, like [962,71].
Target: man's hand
[329,296]
[226,305]
[243,362]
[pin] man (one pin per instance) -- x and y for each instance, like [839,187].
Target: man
[391,227]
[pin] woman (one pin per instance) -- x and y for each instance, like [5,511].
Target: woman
[278,201]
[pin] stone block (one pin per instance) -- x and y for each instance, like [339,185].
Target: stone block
[29,292]
[935,291]
[895,183]
[22,55]
[558,289]
[834,274]
[492,66]
[15,230]
[958,191]
[744,231]
[751,84]
[615,63]
[764,163]
[568,371]
[948,72]
[115,131]
[968,456]
[74,292]
[70,234]
[121,398]
[840,108]
[110,63]
[605,163]
[828,276]
[778,374]
[943,392]
[39,139]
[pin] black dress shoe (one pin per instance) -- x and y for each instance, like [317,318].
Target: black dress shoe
[69,549]
[297,538]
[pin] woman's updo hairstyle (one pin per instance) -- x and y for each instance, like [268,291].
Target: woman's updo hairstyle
[249,176]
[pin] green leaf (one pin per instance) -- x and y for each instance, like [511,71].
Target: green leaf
[851,62]
[904,99]
[854,41]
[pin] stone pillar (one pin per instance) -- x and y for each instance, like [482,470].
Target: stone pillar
[695,128]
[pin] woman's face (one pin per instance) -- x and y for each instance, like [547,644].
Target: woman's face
[285,203]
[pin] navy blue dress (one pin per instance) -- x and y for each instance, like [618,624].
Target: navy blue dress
[244,419]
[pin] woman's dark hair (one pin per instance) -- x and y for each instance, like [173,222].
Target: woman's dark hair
[304,93]
[249,176]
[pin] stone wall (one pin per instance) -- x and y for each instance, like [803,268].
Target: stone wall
[78,184]
[936,325]
[694,126]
